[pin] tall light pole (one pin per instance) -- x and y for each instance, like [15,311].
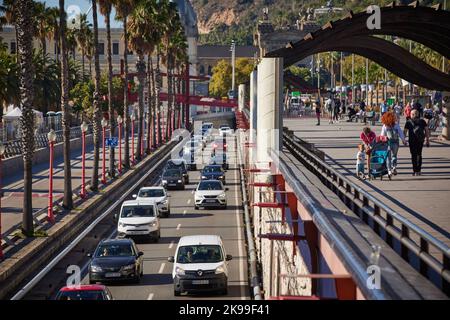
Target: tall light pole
[233,58]
[133,118]
[84,128]
[353,80]
[104,125]
[51,140]
[318,76]
[2,152]
[119,122]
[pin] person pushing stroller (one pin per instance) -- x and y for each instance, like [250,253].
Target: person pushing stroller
[392,133]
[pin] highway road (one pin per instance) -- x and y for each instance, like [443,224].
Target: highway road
[157,283]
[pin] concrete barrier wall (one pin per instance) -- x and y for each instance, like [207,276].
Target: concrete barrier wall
[14,165]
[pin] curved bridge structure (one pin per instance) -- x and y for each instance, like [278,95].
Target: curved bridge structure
[425,25]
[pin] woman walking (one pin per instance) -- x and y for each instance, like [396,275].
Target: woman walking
[368,138]
[391,130]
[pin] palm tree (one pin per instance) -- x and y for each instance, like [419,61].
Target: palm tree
[105,9]
[123,10]
[96,105]
[67,201]
[84,39]
[9,82]
[24,30]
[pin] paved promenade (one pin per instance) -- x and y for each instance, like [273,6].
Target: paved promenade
[425,199]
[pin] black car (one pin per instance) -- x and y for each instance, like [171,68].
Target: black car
[116,259]
[179,164]
[172,178]
[213,172]
[221,159]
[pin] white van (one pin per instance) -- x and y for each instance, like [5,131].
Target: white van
[200,264]
[139,219]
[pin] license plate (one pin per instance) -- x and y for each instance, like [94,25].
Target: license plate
[112,274]
[211,201]
[137,232]
[172,184]
[200,281]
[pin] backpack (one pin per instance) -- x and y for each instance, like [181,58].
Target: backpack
[418,131]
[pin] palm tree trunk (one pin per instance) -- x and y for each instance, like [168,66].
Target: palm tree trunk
[24,25]
[67,202]
[97,112]
[126,118]
[149,99]
[82,63]
[153,101]
[112,124]
[140,67]
[158,90]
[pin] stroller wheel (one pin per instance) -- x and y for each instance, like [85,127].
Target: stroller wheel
[390,177]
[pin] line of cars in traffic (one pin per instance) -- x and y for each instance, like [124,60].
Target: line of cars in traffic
[200,261]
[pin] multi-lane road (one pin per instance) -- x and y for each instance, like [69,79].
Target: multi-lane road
[184,220]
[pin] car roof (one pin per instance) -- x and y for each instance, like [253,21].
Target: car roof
[152,188]
[213,165]
[177,161]
[116,241]
[84,287]
[130,203]
[199,239]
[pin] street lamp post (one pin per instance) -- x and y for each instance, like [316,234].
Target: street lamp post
[2,152]
[119,122]
[51,139]
[84,129]
[141,136]
[133,118]
[233,58]
[104,125]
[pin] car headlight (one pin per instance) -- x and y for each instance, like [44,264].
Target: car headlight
[179,271]
[220,269]
[164,202]
[179,181]
[153,223]
[128,267]
[95,268]
[164,181]
[121,224]
[203,177]
[222,196]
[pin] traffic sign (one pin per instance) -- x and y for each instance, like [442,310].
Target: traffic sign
[112,142]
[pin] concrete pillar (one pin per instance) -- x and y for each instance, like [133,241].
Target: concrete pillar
[270,100]
[241,97]
[446,110]
[253,114]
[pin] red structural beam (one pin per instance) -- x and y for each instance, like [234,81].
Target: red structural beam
[257,170]
[282,237]
[201,101]
[275,205]
[262,185]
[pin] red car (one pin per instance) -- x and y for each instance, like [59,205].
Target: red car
[84,292]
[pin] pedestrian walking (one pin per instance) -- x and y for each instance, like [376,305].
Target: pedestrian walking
[383,107]
[408,111]
[368,137]
[417,131]
[391,130]
[428,113]
[329,104]
[360,159]
[318,111]
[337,109]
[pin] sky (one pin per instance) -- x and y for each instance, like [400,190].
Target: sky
[83,6]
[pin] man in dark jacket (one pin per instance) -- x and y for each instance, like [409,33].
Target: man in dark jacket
[417,131]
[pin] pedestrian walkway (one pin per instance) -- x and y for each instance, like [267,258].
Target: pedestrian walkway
[425,199]
[13,186]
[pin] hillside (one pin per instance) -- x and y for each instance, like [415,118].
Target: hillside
[219,21]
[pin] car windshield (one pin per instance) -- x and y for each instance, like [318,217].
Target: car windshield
[212,169]
[137,211]
[151,193]
[114,250]
[200,254]
[225,128]
[210,185]
[172,173]
[173,165]
[81,295]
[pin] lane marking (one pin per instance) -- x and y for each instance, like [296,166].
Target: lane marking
[171,244]
[150,296]
[184,211]
[179,226]
[238,220]
[189,201]
[161,269]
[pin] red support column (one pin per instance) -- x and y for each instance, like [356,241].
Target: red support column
[187,94]
[120,147]
[83,165]
[50,216]
[1,250]
[104,156]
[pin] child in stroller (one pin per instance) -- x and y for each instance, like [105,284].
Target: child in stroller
[378,160]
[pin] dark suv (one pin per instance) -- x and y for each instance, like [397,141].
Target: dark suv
[172,178]
[181,165]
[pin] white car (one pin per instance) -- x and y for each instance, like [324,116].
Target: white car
[157,194]
[200,264]
[139,219]
[225,130]
[200,139]
[210,193]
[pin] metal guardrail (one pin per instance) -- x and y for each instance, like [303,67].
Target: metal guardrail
[253,260]
[409,240]
[14,147]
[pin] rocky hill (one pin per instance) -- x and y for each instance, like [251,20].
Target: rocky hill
[219,21]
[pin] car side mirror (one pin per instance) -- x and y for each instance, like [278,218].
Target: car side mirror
[140,254]
[134,196]
[171,259]
[115,217]
[226,189]
[229,257]
[89,255]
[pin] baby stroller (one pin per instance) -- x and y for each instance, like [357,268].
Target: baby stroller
[378,160]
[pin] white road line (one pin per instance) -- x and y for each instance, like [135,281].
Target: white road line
[161,269]
[150,296]
[171,244]
[189,201]
[238,220]
[179,226]
[184,211]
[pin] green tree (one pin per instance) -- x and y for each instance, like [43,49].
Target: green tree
[221,80]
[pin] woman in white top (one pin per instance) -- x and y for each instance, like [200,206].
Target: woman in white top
[392,131]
